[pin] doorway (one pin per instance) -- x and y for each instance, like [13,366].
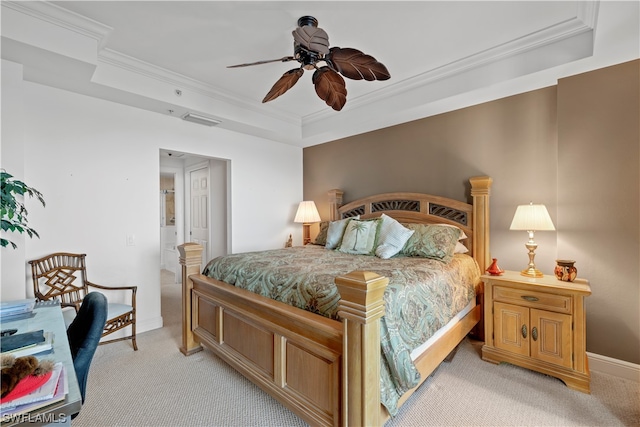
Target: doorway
[201,205]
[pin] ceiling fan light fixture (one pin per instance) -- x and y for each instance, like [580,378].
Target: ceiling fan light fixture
[312,50]
[201,120]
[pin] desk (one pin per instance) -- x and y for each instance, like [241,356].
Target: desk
[49,318]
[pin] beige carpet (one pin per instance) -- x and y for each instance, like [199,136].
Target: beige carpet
[158,386]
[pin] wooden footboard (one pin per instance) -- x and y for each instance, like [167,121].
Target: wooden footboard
[325,371]
[306,361]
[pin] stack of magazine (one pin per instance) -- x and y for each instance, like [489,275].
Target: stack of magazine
[53,390]
[15,310]
[27,343]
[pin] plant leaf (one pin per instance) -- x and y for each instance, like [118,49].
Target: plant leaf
[285,83]
[330,87]
[313,38]
[14,212]
[356,65]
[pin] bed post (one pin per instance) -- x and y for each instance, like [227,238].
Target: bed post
[361,306]
[190,260]
[335,201]
[480,189]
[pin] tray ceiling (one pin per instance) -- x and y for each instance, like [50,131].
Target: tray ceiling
[171,56]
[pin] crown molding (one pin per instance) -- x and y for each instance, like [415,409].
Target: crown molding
[179,81]
[95,30]
[584,21]
[517,55]
[64,18]
[587,12]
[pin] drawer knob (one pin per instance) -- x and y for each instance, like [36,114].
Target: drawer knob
[529,298]
[534,333]
[524,331]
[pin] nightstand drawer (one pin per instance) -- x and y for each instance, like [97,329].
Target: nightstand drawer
[530,298]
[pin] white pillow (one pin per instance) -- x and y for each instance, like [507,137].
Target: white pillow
[392,238]
[336,230]
[460,248]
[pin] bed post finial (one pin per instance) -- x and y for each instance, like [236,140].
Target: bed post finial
[190,260]
[361,306]
[335,201]
[480,190]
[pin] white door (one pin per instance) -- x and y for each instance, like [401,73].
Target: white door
[199,232]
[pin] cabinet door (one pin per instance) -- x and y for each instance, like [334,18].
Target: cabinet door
[551,337]
[511,328]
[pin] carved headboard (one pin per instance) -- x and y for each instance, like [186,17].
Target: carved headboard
[473,219]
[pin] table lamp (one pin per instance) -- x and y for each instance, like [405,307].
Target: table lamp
[531,218]
[307,213]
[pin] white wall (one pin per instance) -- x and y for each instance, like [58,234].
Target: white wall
[12,159]
[96,162]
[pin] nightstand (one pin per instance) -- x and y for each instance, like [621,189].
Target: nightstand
[538,324]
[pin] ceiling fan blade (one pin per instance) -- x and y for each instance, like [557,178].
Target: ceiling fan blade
[330,87]
[283,59]
[285,83]
[313,38]
[356,65]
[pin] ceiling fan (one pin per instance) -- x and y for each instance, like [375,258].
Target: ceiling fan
[311,49]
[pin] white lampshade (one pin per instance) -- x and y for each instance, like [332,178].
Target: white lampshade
[532,218]
[307,213]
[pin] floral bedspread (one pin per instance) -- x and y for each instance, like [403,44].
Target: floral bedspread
[422,296]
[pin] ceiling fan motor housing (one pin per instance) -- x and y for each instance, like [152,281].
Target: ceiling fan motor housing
[307,20]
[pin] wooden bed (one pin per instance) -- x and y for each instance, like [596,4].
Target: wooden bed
[326,371]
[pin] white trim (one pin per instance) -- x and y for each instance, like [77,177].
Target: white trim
[528,44]
[148,324]
[615,367]
[154,72]
[63,18]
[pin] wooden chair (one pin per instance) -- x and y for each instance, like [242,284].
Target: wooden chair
[63,276]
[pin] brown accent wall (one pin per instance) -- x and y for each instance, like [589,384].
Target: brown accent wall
[598,200]
[519,142]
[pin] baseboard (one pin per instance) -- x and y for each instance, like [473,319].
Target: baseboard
[615,367]
[148,324]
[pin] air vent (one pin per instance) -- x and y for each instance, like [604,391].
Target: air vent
[202,120]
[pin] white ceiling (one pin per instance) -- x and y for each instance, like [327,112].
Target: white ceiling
[171,56]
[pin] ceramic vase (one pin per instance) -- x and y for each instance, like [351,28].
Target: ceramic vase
[493,269]
[565,270]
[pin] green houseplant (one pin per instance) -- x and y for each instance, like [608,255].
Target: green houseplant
[14,212]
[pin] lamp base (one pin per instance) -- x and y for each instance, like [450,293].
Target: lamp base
[531,272]
[306,233]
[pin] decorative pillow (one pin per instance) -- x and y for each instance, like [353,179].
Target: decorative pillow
[360,237]
[321,238]
[462,233]
[460,248]
[432,241]
[335,232]
[393,237]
